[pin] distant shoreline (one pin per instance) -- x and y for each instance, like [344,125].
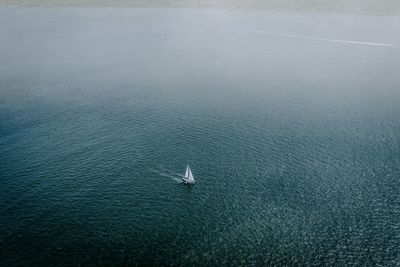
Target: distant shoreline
[367,7]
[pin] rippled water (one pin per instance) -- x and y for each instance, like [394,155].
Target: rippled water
[295,143]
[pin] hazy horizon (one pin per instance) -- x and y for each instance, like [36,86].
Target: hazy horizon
[372,7]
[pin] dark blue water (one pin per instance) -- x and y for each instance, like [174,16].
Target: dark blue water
[295,143]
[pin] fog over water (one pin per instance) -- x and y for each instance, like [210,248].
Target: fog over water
[372,7]
[289,121]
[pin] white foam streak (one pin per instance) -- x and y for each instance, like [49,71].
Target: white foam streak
[286,35]
[176,177]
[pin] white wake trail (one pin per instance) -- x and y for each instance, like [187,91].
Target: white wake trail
[175,176]
[304,37]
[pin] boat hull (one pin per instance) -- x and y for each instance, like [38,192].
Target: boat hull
[186,181]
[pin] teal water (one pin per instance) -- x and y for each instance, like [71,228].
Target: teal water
[294,143]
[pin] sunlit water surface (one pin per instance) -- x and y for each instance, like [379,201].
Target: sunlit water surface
[295,143]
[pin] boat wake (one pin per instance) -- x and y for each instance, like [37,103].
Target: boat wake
[315,38]
[172,175]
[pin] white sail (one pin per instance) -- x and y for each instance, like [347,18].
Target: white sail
[187,172]
[188,178]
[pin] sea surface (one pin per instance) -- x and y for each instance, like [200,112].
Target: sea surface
[290,123]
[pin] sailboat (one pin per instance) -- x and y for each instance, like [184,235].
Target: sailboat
[188,178]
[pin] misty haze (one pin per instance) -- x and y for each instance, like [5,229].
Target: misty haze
[287,112]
